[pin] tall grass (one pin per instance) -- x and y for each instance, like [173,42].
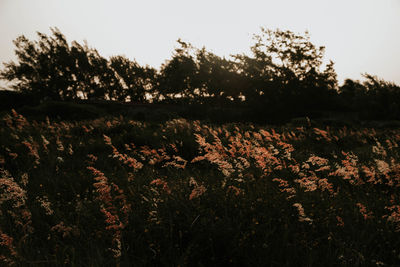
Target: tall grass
[112,191]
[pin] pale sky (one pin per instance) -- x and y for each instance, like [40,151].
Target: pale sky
[360,36]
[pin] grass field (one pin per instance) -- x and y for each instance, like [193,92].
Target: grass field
[113,191]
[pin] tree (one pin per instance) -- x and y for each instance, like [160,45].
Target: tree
[137,80]
[95,79]
[176,76]
[287,67]
[43,66]
[51,68]
[383,97]
[198,75]
[218,78]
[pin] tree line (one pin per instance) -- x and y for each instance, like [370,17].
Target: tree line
[284,75]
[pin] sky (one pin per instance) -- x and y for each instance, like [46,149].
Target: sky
[360,36]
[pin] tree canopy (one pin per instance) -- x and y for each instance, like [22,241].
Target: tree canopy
[285,72]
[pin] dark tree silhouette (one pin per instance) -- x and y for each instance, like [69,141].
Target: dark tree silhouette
[284,76]
[176,76]
[42,66]
[51,68]
[373,98]
[137,81]
[286,61]
[218,78]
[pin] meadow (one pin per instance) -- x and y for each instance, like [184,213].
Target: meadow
[114,191]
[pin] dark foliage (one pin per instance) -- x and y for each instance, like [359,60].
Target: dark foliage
[283,78]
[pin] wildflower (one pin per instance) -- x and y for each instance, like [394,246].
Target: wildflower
[370,174]
[267,136]
[101,186]
[45,143]
[32,150]
[11,154]
[309,183]
[245,162]
[265,158]
[112,220]
[302,215]
[394,216]
[62,229]
[133,163]
[323,168]
[349,170]
[70,151]
[233,189]
[108,208]
[324,184]
[107,140]
[197,192]
[11,192]
[7,242]
[214,154]
[257,136]
[340,221]
[275,135]
[24,179]
[382,166]
[131,177]
[379,149]
[117,253]
[198,158]
[391,144]
[287,147]
[323,134]
[198,189]
[201,141]
[363,210]
[305,166]
[394,179]
[20,120]
[163,183]
[60,146]
[226,172]
[92,158]
[45,204]
[178,163]
[294,168]
[127,147]
[284,187]
[317,161]
[85,129]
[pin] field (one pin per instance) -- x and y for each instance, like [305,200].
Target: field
[113,191]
